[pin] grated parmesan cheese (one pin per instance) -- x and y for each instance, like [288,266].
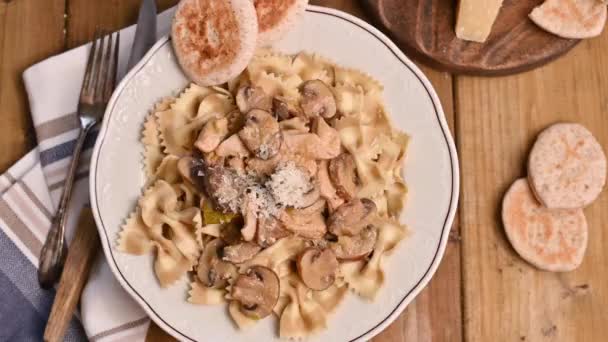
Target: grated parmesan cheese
[288,185]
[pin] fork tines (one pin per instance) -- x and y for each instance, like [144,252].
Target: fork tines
[100,75]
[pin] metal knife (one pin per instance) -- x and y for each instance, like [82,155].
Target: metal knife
[145,33]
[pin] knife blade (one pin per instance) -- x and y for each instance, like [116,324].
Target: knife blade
[145,33]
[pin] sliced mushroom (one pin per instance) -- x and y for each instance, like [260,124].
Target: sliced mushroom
[231,232]
[317,268]
[270,230]
[284,110]
[211,270]
[351,217]
[261,134]
[236,121]
[356,247]
[343,174]
[317,99]
[222,185]
[249,97]
[212,134]
[257,291]
[232,147]
[240,252]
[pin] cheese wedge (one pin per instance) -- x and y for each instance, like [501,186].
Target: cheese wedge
[475,19]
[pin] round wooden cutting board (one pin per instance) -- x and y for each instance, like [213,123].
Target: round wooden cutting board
[424,29]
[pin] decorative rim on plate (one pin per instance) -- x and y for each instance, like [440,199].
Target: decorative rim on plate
[107,241]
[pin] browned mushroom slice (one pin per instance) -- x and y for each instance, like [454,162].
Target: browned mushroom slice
[317,268]
[270,230]
[351,217]
[223,187]
[211,270]
[257,291]
[249,97]
[261,134]
[343,174]
[317,99]
[236,121]
[355,247]
[231,232]
[240,252]
[284,110]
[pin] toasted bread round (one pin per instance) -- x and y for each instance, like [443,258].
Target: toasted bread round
[575,19]
[552,240]
[567,167]
[214,40]
[276,18]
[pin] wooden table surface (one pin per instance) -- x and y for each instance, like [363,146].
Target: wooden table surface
[482,291]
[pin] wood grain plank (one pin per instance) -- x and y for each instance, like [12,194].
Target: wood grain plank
[30,30]
[84,16]
[497,122]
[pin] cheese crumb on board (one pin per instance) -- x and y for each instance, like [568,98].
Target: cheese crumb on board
[475,19]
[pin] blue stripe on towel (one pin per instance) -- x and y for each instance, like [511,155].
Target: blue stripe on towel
[66,149]
[24,307]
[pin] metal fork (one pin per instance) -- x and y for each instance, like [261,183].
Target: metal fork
[99,82]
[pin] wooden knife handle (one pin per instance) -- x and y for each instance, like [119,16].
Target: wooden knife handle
[78,263]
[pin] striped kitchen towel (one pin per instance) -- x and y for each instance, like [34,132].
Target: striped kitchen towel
[29,193]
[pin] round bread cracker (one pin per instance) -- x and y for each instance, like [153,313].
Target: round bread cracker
[552,240]
[276,18]
[566,167]
[214,40]
[574,19]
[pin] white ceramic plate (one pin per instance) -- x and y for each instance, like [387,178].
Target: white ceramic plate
[431,173]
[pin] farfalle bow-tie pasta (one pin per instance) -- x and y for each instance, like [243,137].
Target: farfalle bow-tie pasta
[275,194]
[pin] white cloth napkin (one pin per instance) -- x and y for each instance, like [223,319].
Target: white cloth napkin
[32,188]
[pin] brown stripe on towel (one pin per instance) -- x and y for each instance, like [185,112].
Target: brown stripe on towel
[30,194]
[57,126]
[26,212]
[19,229]
[10,177]
[80,175]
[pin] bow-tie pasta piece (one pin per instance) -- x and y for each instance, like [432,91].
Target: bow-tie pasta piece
[153,150]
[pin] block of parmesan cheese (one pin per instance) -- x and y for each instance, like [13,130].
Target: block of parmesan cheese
[475,19]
